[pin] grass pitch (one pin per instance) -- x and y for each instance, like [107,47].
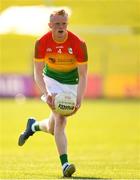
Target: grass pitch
[103,141]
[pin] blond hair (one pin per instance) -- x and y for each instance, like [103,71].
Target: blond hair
[61,12]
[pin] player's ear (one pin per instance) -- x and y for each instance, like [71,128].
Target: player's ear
[50,25]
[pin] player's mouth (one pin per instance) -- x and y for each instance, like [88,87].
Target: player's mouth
[60,31]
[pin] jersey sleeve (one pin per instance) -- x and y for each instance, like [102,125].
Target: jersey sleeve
[39,54]
[81,52]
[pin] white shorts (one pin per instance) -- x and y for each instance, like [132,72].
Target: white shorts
[54,86]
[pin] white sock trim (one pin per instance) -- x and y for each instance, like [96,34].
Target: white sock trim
[64,165]
[33,126]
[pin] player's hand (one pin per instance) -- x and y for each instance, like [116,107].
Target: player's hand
[49,99]
[78,105]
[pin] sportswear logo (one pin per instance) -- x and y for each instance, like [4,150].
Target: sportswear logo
[70,50]
[49,50]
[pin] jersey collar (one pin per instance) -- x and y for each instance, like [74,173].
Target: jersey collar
[61,41]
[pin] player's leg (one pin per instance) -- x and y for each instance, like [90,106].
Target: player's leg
[59,133]
[61,142]
[46,125]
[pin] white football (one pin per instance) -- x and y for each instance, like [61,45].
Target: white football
[65,103]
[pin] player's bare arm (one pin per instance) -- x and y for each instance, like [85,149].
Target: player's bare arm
[38,76]
[38,68]
[82,70]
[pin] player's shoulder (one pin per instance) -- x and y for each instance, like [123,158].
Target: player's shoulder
[75,37]
[44,37]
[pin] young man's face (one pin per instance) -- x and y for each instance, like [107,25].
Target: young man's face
[58,25]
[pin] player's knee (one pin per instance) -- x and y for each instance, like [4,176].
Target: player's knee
[51,131]
[61,122]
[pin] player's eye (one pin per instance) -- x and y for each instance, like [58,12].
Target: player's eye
[57,24]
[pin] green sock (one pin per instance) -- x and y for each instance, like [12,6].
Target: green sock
[63,159]
[37,128]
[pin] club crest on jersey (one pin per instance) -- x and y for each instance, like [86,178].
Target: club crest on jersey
[59,51]
[70,51]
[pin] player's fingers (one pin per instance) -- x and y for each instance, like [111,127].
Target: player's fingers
[49,102]
[72,112]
